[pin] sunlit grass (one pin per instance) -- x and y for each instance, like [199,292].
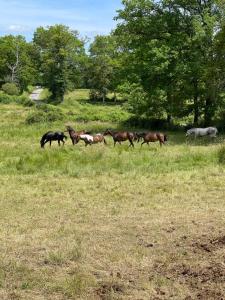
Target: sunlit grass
[104,222]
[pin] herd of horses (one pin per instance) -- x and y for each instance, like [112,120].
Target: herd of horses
[89,139]
[118,136]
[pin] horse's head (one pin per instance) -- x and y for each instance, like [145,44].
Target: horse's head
[69,129]
[42,143]
[107,131]
[189,132]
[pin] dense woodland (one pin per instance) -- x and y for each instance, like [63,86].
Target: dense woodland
[165,60]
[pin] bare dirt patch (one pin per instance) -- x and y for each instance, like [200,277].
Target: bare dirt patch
[210,245]
[106,289]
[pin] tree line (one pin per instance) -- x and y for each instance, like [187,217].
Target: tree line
[165,60]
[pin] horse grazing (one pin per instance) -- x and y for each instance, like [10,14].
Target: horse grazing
[89,139]
[121,136]
[75,135]
[153,137]
[199,132]
[52,136]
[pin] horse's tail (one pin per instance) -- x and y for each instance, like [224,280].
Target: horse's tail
[43,139]
[165,138]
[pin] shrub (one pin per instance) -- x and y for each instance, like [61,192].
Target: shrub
[4,98]
[35,117]
[94,95]
[25,101]
[11,89]
[45,113]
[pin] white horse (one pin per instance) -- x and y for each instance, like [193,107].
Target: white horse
[199,132]
[87,138]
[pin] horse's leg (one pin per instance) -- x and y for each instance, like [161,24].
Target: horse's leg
[143,143]
[131,143]
[50,142]
[114,143]
[59,142]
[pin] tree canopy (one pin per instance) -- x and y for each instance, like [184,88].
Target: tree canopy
[165,58]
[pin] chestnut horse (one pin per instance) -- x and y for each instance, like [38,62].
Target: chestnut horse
[74,135]
[99,138]
[153,137]
[121,136]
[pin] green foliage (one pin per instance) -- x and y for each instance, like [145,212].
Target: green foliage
[173,49]
[82,110]
[25,101]
[10,89]
[22,99]
[5,98]
[101,69]
[17,61]
[45,113]
[61,53]
[30,88]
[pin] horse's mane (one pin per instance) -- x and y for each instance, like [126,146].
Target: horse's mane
[69,128]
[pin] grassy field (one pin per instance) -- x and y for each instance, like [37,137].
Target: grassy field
[108,223]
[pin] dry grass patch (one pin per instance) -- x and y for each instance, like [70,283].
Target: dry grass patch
[113,237]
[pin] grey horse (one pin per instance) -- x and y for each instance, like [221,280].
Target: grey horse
[199,132]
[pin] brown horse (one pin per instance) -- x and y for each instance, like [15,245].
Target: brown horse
[139,136]
[99,138]
[121,136]
[154,137]
[75,135]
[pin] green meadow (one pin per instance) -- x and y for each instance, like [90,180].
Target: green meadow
[104,222]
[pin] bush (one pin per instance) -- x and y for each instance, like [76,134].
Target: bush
[94,95]
[11,89]
[5,99]
[25,101]
[45,113]
[22,100]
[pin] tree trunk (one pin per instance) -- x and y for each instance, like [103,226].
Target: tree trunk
[169,106]
[114,96]
[208,111]
[169,119]
[196,104]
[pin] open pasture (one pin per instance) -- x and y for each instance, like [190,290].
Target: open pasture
[109,223]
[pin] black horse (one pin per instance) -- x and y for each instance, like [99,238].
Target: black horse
[52,136]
